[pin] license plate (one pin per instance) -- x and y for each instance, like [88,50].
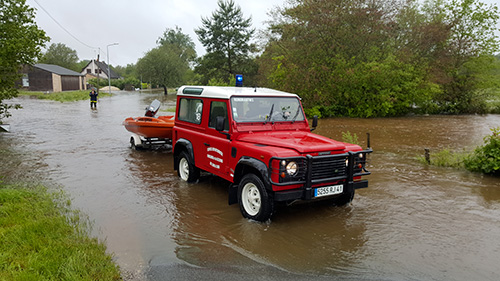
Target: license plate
[328,190]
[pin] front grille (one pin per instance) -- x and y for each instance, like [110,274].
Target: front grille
[319,169]
[324,167]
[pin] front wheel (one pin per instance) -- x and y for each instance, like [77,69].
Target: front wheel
[345,198]
[187,171]
[255,203]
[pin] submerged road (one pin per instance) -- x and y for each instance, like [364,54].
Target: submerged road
[413,222]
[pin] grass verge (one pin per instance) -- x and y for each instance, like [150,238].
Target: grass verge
[445,158]
[43,239]
[67,96]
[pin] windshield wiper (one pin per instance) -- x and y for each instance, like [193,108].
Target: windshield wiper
[270,115]
[296,114]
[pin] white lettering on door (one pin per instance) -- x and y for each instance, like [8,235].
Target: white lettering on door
[215,158]
[215,150]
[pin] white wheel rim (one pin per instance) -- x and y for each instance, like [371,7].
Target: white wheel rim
[184,169]
[250,198]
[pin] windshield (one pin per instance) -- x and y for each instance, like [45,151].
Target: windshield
[266,109]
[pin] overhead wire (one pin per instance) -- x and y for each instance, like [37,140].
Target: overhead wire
[67,31]
[60,25]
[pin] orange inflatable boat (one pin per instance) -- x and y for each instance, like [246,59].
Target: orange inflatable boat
[150,127]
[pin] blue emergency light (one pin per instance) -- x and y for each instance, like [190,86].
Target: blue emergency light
[239,80]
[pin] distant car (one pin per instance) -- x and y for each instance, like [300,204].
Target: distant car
[259,140]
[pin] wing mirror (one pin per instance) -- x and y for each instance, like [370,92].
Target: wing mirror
[315,123]
[219,126]
[219,123]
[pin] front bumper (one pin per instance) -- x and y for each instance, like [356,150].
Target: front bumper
[333,171]
[308,193]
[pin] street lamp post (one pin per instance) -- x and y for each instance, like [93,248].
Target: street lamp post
[109,74]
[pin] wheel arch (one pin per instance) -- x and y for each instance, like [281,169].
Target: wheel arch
[180,146]
[248,165]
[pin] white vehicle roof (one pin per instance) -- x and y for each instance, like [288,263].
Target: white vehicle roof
[228,92]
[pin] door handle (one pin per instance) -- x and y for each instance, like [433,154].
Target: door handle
[206,144]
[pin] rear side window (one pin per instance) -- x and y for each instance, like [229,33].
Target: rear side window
[190,110]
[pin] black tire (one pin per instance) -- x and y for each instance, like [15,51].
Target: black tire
[186,170]
[345,198]
[133,145]
[254,200]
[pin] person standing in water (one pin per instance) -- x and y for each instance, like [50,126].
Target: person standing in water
[93,98]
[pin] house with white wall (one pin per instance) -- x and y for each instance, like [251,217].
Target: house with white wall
[99,69]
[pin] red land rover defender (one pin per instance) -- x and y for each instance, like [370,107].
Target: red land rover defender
[259,140]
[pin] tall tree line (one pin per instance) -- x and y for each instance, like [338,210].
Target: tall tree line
[368,58]
[360,58]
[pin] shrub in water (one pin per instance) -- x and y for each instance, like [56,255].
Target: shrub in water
[486,158]
[350,138]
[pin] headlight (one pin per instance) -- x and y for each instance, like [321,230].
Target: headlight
[292,168]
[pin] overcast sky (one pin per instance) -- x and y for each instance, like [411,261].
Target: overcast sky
[135,25]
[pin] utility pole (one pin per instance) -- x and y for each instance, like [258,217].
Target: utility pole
[98,70]
[109,73]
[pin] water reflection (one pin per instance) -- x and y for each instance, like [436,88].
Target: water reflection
[306,239]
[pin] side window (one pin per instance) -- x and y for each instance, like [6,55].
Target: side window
[190,110]
[218,108]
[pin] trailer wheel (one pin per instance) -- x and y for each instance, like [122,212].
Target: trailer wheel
[187,171]
[133,145]
[255,203]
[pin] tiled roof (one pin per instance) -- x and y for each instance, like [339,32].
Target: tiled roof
[104,67]
[57,69]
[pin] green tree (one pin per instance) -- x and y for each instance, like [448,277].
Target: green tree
[376,58]
[126,71]
[62,55]
[340,56]
[472,40]
[226,36]
[168,64]
[20,43]
[81,64]
[163,66]
[182,41]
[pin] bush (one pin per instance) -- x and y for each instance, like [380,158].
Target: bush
[350,138]
[486,158]
[311,112]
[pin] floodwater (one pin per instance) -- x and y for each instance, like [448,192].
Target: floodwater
[414,222]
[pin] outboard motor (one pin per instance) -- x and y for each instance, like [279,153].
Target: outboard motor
[153,108]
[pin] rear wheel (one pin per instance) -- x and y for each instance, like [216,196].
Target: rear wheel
[255,203]
[187,171]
